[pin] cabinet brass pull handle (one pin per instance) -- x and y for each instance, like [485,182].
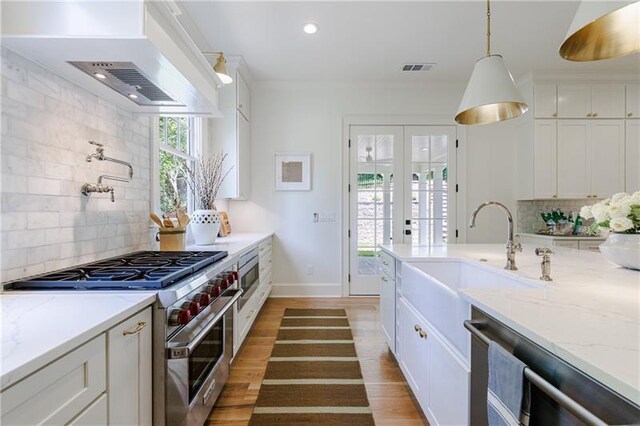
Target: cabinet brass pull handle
[383,278]
[555,114]
[555,196]
[384,262]
[136,329]
[589,114]
[595,114]
[417,328]
[423,334]
[630,114]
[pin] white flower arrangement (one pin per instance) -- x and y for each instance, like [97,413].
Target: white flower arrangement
[620,213]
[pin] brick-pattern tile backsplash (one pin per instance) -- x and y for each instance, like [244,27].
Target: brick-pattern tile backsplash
[47,223]
[529,219]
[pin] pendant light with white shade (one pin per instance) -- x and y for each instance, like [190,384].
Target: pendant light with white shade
[220,67]
[491,93]
[603,30]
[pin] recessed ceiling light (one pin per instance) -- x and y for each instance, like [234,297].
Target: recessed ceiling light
[99,75]
[310,28]
[133,96]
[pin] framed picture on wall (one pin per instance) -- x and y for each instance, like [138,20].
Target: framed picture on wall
[293,172]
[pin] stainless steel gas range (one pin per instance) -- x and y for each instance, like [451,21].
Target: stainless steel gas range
[192,321]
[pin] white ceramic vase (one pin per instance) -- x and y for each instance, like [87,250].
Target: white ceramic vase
[205,225]
[622,249]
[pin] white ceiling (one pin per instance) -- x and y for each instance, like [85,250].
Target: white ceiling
[369,41]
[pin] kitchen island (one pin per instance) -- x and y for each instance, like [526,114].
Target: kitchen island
[589,315]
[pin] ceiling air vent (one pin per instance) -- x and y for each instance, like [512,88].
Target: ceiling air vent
[417,67]
[128,80]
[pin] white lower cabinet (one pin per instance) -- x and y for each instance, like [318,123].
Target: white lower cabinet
[388,309]
[246,316]
[413,353]
[106,381]
[95,414]
[129,368]
[448,384]
[57,393]
[438,377]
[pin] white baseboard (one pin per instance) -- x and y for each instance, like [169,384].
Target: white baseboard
[306,290]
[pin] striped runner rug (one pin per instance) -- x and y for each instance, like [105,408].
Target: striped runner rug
[313,376]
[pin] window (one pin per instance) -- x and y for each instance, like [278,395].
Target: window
[179,145]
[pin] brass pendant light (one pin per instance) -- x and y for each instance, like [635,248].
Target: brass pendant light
[491,93]
[603,30]
[220,68]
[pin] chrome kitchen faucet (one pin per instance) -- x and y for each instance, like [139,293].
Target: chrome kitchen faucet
[512,245]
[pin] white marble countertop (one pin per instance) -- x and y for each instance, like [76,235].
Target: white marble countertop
[589,315]
[563,237]
[236,244]
[39,327]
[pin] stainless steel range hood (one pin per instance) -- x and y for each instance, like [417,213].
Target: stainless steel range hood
[133,53]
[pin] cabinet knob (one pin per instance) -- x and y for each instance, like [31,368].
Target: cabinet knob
[423,334]
[555,114]
[555,196]
[589,114]
[595,114]
[630,114]
[417,327]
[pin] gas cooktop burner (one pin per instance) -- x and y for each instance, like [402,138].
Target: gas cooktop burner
[140,270]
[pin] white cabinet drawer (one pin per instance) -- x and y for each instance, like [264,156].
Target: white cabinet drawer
[265,246]
[60,391]
[388,264]
[566,244]
[265,265]
[95,414]
[246,317]
[590,245]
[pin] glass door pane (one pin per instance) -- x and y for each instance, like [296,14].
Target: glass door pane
[427,155]
[374,163]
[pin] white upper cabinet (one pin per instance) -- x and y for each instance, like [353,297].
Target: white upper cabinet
[633,101]
[573,159]
[574,100]
[232,133]
[545,101]
[545,159]
[607,101]
[591,160]
[607,157]
[591,100]
[244,97]
[632,156]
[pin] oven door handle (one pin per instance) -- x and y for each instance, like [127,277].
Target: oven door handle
[183,351]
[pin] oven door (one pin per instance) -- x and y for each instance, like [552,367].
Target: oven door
[198,363]
[249,275]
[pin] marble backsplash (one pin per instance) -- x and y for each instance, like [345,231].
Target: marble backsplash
[528,216]
[47,223]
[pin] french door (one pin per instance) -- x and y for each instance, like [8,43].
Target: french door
[402,191]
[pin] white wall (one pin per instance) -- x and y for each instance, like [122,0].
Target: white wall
[47,223]
[491,175]
[296,117]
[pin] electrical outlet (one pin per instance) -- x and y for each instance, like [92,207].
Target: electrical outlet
[327,217]
[309,269]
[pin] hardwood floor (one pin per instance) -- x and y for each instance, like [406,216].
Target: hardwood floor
[389,395]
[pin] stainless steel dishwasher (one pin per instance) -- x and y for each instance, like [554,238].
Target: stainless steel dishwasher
[560,394]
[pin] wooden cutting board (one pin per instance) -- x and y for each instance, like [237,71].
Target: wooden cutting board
[225,226]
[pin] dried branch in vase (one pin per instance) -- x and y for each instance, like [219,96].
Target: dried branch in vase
[205,180]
